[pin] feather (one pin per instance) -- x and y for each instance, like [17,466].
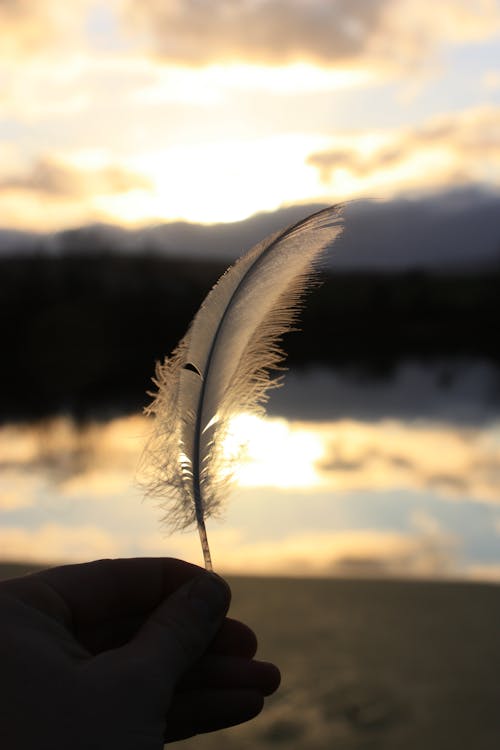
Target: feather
[222,366]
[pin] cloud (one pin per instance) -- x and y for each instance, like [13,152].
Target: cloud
[26,25]
[484,572]
[388,32]
[96,460]
[422,553]
[361,552]
[53,543]
[448,461]
[30,27]
[458,148]
[387,455]
[272,31]
[491,80]
[59,470]
[53,178]
[17,492]
[340,455]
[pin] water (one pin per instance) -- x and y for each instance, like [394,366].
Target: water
[348,475]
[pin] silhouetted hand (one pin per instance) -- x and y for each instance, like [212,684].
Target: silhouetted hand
[125,655]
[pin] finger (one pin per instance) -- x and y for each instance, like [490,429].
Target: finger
[225,672]
[39,595]
[234,638]
[107,601]
[180,630]
[201,711]
[106,589]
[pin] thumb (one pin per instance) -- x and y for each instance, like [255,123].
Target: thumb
[182,627]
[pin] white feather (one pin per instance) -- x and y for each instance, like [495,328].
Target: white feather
[222,367]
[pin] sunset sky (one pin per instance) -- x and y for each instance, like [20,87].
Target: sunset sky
[137,111]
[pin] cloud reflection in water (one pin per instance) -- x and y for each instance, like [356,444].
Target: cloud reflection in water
[314,498]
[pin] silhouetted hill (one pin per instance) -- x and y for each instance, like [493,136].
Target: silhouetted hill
[449,231]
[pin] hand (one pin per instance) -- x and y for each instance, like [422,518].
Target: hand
[125,655]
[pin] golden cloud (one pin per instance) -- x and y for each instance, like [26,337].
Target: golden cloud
[275,32]
[349,456]
[26,26]
[449,461]
[99,461]
[491,80]
[55,543]
[344,456]
[485,572]
[96,460]
[53,178]
[17,491]
[33,26]
[361,552]
[356,553]
[463,147]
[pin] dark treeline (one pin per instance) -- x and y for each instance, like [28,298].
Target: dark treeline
[81,333]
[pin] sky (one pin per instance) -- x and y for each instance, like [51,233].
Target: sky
[139,111]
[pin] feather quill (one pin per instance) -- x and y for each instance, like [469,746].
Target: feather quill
[222,366]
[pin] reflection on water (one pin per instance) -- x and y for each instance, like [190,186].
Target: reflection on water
[454,391]
[364,495]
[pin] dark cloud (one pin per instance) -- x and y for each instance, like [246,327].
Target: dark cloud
[269,31]
[51,178]
[381,32]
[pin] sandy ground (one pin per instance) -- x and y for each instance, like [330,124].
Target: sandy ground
[370,665]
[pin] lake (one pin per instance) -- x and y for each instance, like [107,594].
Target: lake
[350,474]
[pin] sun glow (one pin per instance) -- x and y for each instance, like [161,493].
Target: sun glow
[213,83]
[218,182]
[274,452]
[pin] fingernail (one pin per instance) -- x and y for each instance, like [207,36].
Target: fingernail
[209,595]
